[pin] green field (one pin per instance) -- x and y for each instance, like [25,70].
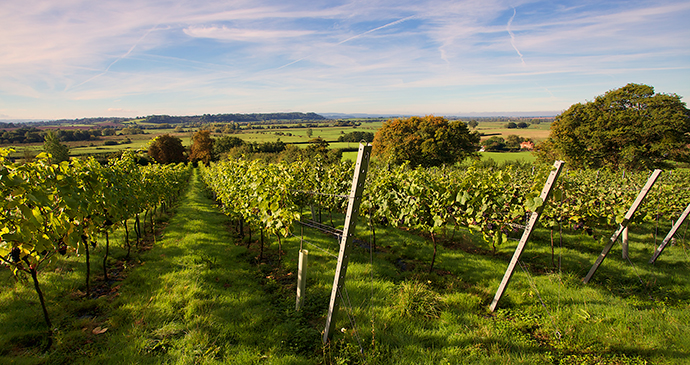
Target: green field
[298,135]
[499,157]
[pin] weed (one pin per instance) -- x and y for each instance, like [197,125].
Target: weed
[417,299]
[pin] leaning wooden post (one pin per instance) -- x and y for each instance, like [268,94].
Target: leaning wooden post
[533,219]
[301,278]
[354,200]
[670,234]
[624,224]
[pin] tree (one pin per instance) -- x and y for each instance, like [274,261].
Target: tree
[309,132]
[513,141]
[356,136]
[511,125]
[630,127]
[57,150]
[494,144]
[523,125]
[225,144]
[427,141]
[167,149]
[473,123]
[202,147]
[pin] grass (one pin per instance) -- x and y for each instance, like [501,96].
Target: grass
[500,157]
[537,132]
[200,296]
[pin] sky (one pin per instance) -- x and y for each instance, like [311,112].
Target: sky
[128,58]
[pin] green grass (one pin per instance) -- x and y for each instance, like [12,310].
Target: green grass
[536,132]
[500,157]
[200,296]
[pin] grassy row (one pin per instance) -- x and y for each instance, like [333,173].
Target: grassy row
[200,296]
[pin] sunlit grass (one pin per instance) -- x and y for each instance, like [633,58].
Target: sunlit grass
[199,296]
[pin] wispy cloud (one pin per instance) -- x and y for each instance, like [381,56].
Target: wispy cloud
[224,33]
[353,38]
[357,55]
[129,51]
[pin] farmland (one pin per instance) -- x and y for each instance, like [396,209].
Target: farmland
[289,131]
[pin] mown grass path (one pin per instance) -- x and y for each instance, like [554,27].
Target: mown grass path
[195,298]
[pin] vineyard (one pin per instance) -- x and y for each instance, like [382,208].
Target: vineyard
[430,248]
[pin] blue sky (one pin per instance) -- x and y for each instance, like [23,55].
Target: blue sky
[84,58]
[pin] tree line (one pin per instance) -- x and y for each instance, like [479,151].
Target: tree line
[35,135]
[229,118]
[205,149]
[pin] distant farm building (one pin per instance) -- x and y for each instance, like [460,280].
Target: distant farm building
[527,145]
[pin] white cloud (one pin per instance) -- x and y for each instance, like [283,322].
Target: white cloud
[224,33]
[269,53]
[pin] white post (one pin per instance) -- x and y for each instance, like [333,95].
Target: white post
[301,278]
[624,242]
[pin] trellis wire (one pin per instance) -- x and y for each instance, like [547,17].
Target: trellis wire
[302,240]
[640,278]
[322,194]
[557,332]
[345,297]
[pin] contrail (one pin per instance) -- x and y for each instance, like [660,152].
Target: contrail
[121,57]
[375,29]
[512,36]
[354,37]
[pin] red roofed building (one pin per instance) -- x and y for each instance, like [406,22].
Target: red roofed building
[527,145]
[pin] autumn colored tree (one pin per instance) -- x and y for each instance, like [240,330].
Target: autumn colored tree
[202,147]
[425,141]
[630,127]
[167,149]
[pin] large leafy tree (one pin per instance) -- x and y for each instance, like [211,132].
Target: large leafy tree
[225,144]
[631,127]
[167,149]
[425,141]
[202,147]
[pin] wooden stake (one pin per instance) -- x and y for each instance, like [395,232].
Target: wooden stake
[533,219]
[354,200]
[623,225]
[670,234]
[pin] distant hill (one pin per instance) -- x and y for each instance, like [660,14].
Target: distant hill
[535,114]
[237,118]
[360,115]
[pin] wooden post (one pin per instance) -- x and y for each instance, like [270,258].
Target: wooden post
[354,200]
[301,278]
[670,234]
[533,219]
[624,242]
[624,224]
